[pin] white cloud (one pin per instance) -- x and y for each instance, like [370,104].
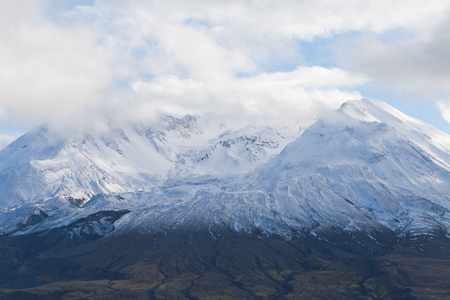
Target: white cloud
[215,37]
[444,107]
[48,72]
[5,140]
[282,97]
[71,64]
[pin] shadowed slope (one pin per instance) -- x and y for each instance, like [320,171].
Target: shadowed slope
[204,263]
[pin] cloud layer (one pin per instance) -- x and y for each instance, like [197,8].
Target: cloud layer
[71,64]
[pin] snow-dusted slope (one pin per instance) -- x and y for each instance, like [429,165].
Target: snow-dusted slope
[43,164]
[40,165]
[364,165]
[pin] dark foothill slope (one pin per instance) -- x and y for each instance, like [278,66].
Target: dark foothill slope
[204,263]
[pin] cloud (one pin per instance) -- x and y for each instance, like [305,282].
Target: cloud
[226,37]
[416,65]
[5,140]
[280,97]
[47,71]
[75,63]
[444,107]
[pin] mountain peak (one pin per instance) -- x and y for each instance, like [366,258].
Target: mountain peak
[368,110]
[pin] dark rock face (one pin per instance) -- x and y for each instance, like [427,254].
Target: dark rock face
[16,249]
[36,218]
[206,263]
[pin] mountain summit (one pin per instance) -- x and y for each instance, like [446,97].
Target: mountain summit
[366,163]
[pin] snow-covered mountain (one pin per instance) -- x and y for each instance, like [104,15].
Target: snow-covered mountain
[43,163]
[364,165]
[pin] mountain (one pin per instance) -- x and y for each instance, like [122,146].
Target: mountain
[198,198]
[55,173]
[364,165]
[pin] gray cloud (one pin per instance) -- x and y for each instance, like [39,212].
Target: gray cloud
[417,66]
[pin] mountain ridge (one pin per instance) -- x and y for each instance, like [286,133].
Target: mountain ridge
[364,165]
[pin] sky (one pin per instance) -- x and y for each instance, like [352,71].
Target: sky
[82,63]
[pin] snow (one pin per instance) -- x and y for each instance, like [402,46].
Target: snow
[364,165]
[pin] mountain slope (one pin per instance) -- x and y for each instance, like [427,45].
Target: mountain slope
[355,207]
[365,163]
[43,163]
[69,176]
[364,166]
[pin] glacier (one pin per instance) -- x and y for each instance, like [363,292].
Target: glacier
[364,167]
